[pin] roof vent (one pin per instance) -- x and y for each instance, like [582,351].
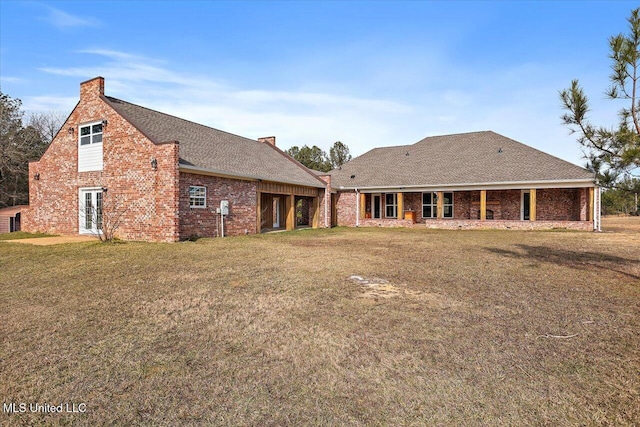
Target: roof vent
[407,153]
[353,176]
[500,150]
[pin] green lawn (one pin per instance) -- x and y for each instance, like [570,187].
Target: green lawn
[454,328]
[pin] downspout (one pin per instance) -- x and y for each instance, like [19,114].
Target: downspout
[357,208]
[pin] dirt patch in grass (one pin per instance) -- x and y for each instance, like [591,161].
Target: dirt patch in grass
[452,328]
[52,240]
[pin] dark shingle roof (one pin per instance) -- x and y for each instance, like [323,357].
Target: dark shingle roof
[467,158]
[214,150]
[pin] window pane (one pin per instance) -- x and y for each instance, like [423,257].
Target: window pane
[426,211]
[99,211]
[448,198]
[97,138]
[88,211]
[97,128]
[390,199]
[85,130]
[448,211]
[426,198]
[85,140]
[391,211]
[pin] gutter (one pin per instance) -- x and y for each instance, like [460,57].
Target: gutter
[559,183]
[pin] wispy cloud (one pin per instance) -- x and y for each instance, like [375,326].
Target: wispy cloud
[63,20]
[514,101]
[295,117]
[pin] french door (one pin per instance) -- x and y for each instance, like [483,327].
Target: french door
[90,211]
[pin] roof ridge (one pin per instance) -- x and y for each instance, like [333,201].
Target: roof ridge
[111,98]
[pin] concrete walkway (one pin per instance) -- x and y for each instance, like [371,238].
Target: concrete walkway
[46,241]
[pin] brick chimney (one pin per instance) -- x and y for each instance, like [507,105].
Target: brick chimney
[92,89]
[268,139]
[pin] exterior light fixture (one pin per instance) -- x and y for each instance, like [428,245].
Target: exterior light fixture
[154,163]
[105,189]
[105,122]
[70,130]
[36,176]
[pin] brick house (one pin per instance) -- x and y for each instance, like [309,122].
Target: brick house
[470,180]
[167,179]
[164,177]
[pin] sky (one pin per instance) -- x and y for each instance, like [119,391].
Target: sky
[367,73]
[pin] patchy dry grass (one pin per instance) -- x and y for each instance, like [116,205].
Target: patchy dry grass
[441,328]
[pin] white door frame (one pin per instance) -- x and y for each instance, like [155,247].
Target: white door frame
[82,210]
[373,205]
[522,193]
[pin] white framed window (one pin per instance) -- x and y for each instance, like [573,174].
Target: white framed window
[197,196]
[430,205]
[91,134]
[391,205]
[90,147]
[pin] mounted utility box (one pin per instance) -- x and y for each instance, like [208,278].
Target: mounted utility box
[224,207]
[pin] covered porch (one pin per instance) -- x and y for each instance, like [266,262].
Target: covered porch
[525,208]
[287,207]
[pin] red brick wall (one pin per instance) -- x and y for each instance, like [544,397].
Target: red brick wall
[558,204]
[202,221]
[148,197]
[346,208]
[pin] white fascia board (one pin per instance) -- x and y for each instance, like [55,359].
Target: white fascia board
[516,185]
[244,177]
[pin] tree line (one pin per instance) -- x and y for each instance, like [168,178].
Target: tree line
[21,140]
[317,159]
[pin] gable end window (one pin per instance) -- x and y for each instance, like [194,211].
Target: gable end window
[91,134]
[197,196]
[90,153]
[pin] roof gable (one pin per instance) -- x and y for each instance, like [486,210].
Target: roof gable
[208,149]
[460,159]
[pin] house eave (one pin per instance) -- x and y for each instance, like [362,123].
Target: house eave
[244,177]
[512,185]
